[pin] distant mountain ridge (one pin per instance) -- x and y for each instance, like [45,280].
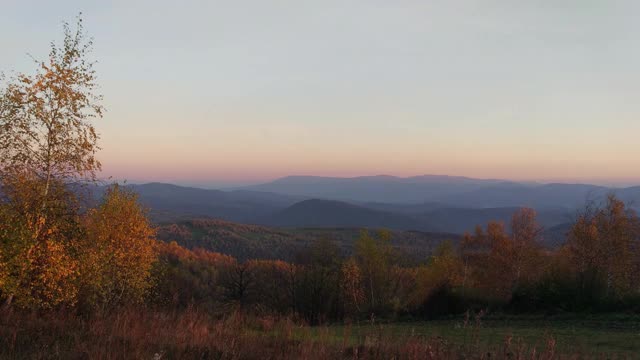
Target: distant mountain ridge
[380,188]
[168,202]
[540,196]
[440,203]
[450,191]
[332,213]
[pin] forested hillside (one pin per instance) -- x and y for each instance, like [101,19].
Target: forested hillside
[259,242]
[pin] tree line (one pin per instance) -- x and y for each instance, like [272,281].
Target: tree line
[494,268]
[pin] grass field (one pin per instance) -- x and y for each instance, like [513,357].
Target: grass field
[134,334]
[613,335]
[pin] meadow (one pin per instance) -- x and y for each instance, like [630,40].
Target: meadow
[606,335]
[195,335]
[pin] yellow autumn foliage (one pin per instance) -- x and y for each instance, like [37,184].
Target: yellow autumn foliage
[37,265]
[118,252]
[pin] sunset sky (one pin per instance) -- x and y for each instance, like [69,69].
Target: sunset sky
[216,93]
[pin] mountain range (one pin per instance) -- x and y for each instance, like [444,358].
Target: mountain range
[442,190]
[431,203]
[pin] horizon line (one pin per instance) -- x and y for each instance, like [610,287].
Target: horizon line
[240,183]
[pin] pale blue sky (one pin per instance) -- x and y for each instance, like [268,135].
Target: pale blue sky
[216,92]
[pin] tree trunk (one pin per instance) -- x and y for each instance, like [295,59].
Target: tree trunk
[7,303]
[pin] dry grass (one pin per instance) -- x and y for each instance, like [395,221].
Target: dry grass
[135,334]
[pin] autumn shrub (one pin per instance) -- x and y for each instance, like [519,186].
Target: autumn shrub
[117,252]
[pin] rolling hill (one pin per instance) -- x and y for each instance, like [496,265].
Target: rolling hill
[331,213]
[252,242]
[167,202]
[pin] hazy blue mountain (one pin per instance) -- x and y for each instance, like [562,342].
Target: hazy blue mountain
[556,236]
[412,194]
[382,188]
[168,202]
[630,195]
[331,213]
[541,196]
[413,209]
[452,212]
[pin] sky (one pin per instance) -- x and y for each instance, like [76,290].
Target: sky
[214,93]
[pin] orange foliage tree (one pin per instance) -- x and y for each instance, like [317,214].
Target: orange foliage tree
[497,262]
[47,141]
[352,287]
[40,272]
[604,249]
[51,250]
[444,270]
[118,252]
[526,235]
